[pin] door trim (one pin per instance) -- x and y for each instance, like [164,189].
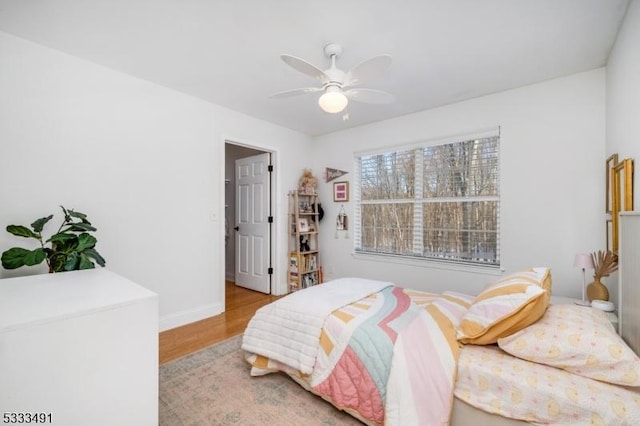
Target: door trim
[275,281]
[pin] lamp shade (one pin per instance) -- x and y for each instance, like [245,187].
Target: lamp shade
[583,261]
[333,100]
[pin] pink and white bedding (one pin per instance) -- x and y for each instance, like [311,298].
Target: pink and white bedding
[383,358]
[392,357]
[499,383]
[288,330]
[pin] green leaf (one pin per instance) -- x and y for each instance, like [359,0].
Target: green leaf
[21,231]
[83,217]
[86,241]
[67,218]
[61,237]
[95,255]
[65,247]
[35,257]
[85,262]
[38,225]
[77,215]
[57,262]
[17,257]
[72,262]
[14,258]
[80,227]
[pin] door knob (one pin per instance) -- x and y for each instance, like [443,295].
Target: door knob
[237,228]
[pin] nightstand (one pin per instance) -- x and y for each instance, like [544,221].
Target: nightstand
[613,316]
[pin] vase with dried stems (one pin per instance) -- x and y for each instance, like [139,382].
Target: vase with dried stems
[605,263]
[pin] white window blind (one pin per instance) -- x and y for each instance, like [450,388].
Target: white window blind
[437,202]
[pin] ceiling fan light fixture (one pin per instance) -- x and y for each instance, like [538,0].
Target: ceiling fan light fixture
[333,100]
[338,85]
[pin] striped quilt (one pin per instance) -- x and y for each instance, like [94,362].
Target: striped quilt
[389,358]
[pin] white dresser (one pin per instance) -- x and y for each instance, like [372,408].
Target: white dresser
[79,348]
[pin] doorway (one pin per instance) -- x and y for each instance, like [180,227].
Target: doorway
[248,239]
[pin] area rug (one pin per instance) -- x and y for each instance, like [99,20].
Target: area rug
[213,387]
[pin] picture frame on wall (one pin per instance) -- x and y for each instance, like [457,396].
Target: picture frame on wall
[341,191]
[622,196]
[609,165]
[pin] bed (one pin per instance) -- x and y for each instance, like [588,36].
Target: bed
[395,356]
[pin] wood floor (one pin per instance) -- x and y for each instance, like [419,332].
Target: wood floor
[241,304]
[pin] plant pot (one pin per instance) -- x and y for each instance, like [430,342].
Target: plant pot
[597,291]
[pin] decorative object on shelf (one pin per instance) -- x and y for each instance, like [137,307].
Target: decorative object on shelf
[307,183]
[583,261]
[604,263]
[341,191]
[331,174]
[71,247]
[342,223]
[304,243]
[320,210]
[293,263]
[619,192]
[303,224]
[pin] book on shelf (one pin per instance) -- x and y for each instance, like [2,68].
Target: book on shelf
[311,262]
[309,280]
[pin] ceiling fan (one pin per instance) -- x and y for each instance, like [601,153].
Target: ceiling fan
[336,84]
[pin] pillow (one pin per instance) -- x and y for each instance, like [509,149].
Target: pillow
[506,306]
[580,340]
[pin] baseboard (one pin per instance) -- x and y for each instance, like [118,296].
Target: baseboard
[178,319]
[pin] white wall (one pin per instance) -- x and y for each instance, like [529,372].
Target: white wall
[623,100]
[623,91]
[144,162]
[552,151]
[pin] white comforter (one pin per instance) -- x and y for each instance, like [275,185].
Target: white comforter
[288,330]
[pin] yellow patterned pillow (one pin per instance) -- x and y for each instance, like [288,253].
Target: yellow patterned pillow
[506,306]
[580,340]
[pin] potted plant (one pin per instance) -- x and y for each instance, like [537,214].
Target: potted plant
[71,248]
[604,263]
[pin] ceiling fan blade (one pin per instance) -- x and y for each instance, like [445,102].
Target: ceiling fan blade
[368,69]
[295,92]
[370,96]
[304,67]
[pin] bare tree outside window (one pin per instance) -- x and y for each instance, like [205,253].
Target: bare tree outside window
[436,202]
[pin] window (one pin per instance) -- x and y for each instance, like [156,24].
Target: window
[438,202]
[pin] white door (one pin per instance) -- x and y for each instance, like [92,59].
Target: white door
[252,222]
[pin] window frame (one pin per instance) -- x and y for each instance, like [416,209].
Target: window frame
[418,200]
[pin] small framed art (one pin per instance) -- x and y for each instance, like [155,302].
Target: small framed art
[341,191]
[609,165]
[303,225]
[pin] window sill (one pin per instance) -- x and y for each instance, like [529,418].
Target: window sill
[429,263]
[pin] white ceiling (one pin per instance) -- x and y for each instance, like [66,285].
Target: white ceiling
[227,52]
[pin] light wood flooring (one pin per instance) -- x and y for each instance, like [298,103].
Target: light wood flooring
[241,304]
